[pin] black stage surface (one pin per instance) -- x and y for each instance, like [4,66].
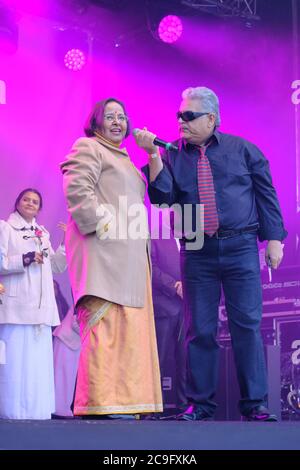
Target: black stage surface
[148,435]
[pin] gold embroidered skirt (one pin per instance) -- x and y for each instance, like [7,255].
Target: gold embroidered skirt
[118,367]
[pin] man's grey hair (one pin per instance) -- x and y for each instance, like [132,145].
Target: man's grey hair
[209,100]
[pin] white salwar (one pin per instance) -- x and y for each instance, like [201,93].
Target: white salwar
[27,377]
[65,372]
[66,351]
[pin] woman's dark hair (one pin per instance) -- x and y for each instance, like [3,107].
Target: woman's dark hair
[28,190]
[95,119]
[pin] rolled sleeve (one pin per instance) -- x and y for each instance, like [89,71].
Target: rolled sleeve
[58,259]
[162,189]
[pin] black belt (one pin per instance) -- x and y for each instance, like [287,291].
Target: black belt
[232,233]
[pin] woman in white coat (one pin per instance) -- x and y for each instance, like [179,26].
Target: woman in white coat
[27,312]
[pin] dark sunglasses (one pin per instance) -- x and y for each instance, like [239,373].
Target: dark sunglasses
[189,115]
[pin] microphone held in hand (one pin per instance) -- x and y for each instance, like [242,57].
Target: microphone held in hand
[159,142]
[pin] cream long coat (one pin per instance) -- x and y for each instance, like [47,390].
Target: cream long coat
[106,256]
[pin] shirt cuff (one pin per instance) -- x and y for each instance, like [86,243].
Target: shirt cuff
[272,233]
[163,181]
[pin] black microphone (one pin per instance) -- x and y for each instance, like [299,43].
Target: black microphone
[159,142]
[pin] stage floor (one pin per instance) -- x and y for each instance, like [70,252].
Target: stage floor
[147,435]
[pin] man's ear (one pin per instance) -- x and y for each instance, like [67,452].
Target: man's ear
[211,120]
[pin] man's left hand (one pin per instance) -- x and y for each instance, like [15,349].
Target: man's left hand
[274,253]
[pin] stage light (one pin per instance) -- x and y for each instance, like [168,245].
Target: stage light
[72,47]
[74,60]
[170,29]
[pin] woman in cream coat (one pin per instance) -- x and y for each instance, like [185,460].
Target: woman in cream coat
[27,312]
[107,250]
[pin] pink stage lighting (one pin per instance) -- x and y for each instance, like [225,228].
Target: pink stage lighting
[74,60]
[170,29]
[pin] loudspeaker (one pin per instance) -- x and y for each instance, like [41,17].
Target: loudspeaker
[288,337]
[228,393]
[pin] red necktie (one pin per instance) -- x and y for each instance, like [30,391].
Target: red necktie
[207,194]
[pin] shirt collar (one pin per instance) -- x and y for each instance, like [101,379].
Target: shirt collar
[216,136]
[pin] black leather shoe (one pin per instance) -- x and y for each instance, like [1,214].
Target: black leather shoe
[194,414]
[260,413]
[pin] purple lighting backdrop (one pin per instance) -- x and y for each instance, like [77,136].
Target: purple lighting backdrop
[250,69]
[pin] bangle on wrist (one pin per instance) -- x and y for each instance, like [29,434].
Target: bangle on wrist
[153,155]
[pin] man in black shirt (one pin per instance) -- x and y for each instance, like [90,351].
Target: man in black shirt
[231,178]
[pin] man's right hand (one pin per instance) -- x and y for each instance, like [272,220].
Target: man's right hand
[178,287]
[144,139]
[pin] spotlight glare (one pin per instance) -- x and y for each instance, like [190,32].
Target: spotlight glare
[74,60]
[170,29]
